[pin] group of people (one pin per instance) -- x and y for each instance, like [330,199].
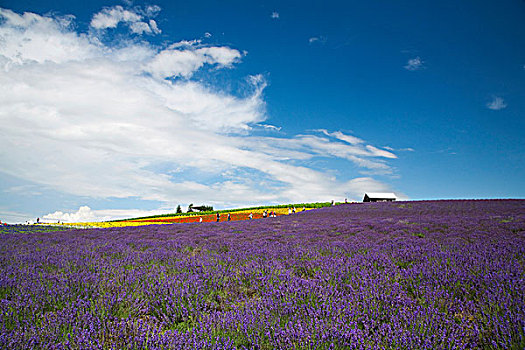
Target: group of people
[265,214]
[270,215]
[219,217]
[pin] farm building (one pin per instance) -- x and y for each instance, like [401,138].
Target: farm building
[379,197]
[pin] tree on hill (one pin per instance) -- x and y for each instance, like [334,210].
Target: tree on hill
[203,208]
[179,209]
[190,210]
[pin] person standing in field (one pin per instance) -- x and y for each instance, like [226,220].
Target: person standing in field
[229,217]
[200,219]
[289,211]
[218,217]
[250,216]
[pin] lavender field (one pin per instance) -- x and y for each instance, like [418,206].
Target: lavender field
[401,275]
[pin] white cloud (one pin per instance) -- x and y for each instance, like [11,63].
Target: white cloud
[184,62]
[497,103]
[152,10]
[185,44]
[172,63]
[99,121]
[274,15]
[207,35]
[140,27]
[110,17]
[143,27]
[86,214]
[317,39]
[414,64]
[222,56]
[31,38]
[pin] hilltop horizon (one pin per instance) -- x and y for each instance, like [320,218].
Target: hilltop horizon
[85,211]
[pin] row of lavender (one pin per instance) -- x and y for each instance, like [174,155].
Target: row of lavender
[413,275]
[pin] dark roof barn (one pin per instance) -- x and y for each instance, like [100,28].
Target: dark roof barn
[379,197]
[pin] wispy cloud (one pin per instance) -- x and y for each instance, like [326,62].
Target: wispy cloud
[408,149]
[414,64]
[126,120]
[496,103]
[317,39]
[339,135]
[270,127]
[11,216]
[275,15]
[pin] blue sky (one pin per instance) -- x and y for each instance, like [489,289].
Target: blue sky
[116,109]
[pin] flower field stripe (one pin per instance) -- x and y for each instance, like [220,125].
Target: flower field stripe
[236,215]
